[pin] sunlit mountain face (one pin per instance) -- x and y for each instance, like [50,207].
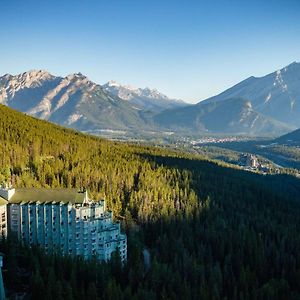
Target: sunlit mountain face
[265,106]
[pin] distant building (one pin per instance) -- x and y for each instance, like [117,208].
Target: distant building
[249,160]
[61,220]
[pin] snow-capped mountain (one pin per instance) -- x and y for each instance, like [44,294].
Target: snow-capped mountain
[73,101]
[142,98]
[268,105]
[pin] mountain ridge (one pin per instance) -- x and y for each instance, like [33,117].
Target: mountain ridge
[275,94]
[257,106]
[274,98]
[143,98]
[238,117]
[73,101]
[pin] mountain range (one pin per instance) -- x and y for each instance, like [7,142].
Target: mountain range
[259,106]
[77,102]
[146,99]
[268,105]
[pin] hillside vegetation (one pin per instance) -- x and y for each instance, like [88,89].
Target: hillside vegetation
[212,232]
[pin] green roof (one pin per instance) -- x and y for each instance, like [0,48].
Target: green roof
[43,195]
[3,201]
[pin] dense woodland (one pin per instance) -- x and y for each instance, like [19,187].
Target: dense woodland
[212,232]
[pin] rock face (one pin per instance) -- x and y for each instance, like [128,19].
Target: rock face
[73,101]
[276,95]
[77,102]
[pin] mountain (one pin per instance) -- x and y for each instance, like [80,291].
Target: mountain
[146,99]
[265,106]
[73,101]
[270,105]
[276,95]
[231,116]
[291,138]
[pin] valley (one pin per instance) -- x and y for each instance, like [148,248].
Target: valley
[150,150]
[185,209]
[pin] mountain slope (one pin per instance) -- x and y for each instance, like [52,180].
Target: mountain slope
[291,138]
[276,95]
[213,232]
[146,98]
[73,101]
[273,107]
[231,116]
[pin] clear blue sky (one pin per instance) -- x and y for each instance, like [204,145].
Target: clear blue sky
[186,49]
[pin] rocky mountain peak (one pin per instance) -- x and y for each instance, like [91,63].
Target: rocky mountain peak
[33,76]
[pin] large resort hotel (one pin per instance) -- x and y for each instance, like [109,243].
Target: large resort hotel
[61,220]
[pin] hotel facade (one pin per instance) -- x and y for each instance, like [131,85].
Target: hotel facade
[65,221]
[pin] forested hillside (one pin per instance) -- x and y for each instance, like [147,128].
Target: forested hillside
[212,232]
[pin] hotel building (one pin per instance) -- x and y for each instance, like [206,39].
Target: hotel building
[61,220]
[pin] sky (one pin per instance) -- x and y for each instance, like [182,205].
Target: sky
[187,49]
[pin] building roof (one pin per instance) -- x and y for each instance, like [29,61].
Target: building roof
[44,195]
[3,201]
